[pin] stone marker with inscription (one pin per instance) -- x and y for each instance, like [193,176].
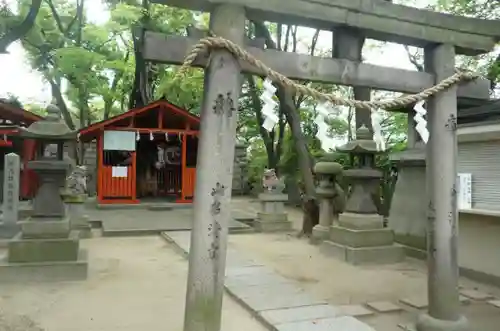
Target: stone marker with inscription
[9,226]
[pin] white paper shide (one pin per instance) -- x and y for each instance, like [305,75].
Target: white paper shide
[323,111]
[269,106]
[420,121]
[378,138]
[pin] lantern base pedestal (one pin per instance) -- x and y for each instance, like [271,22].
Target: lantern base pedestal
[44,250]
[362,239]
[271,222]
[319,234]
[45,228]
[45,271]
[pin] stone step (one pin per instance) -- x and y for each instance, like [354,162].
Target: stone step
[361,238]
[363,255]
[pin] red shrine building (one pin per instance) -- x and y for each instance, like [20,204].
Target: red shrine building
[26,148]
[145,153]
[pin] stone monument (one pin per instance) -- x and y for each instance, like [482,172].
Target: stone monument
[408,213]
[74,196]
[272,216]
[46,248]
[360,236]
[327,191]
[9,226]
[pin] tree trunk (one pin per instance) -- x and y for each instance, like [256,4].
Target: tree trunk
[58,98]
[22,29]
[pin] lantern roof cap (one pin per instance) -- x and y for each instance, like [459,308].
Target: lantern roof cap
[363,144]
[51,128]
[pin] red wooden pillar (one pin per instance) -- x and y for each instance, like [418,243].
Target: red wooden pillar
[133,174]
[100,166]
[183,167]
[29,180]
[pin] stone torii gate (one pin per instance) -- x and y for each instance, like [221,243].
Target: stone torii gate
[447,36]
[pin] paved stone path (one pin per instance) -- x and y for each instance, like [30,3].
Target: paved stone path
[276,301]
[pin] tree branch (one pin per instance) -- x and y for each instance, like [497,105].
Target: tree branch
[414,59]
[20,31]
[56,17]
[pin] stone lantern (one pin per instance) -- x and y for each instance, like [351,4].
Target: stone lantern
[46,243]
[50,134]
[326,191]
[360,236]
[364,178]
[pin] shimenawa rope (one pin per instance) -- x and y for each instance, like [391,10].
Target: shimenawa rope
[206,44]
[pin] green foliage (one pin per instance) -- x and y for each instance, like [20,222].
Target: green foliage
[93,64]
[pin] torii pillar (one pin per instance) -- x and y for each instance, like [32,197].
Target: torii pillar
[207,256]
[442,234]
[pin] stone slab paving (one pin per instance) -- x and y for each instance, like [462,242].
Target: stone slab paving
[384,306]
[278,302]
[298,314]
[495,303]
[354,310]
[476,295]
[407,327]
[341,323]
[420,302]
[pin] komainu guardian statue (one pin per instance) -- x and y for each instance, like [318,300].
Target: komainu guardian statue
[76,182]
[271,182]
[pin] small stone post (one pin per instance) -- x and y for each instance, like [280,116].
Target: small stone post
[9,226]
[327,173]
[443,295]
[74,197]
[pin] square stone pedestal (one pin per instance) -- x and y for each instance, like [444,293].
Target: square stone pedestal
[45,250]
[272,216]
[271,222]
[79,222]
[362,239]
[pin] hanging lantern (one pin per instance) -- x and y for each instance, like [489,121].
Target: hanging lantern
[137,136]
[151,137]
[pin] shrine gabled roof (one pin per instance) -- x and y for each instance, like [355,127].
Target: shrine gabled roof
[92,129]
[15,114]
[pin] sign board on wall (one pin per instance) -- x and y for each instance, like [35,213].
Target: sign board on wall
[464,196]
[119,140]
